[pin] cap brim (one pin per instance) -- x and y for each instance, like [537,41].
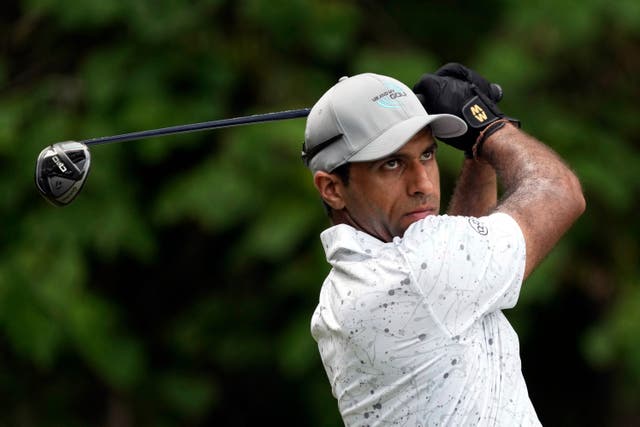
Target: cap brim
[442,125]
[447,125]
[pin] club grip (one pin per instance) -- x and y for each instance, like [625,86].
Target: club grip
[496,92]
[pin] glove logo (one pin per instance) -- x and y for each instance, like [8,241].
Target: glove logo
[478,113]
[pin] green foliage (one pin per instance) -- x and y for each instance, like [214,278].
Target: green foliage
[177,290]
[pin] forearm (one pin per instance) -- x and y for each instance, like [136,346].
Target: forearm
[476,191]
[540,192]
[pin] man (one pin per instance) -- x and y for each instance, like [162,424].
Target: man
[409,324]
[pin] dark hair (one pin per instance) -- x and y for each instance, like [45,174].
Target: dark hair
[343,173]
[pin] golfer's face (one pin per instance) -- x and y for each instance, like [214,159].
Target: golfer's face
[385,196]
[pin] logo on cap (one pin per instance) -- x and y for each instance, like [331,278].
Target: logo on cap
[388,98]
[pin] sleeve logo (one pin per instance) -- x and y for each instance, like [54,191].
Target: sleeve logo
[478,226]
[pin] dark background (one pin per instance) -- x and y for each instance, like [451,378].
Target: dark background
[177,290]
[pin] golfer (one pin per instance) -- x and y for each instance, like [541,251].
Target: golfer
[409,323]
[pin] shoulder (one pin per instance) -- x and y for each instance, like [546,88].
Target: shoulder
[496,223]
[445,235]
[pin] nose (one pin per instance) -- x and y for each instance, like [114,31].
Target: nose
[419,180]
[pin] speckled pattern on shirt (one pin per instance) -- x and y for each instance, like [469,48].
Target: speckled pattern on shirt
[411,332]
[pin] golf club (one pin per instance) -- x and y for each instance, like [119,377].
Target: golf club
[62,168]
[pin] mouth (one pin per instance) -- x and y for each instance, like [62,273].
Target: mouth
[420,214]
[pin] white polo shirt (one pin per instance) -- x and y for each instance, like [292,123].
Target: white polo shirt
[411,332]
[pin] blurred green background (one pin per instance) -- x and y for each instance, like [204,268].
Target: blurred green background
[177,290]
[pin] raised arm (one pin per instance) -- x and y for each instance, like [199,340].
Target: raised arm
[476,191]
[540,191]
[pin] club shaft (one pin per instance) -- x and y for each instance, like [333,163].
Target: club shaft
[194,127]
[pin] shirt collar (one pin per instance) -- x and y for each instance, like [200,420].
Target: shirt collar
[343,241]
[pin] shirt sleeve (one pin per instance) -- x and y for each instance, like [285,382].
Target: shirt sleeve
[465,267]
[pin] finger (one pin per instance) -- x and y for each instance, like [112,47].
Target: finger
[455,70]
[459,71]
[429,87]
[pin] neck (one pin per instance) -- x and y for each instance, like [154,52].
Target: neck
[343,217]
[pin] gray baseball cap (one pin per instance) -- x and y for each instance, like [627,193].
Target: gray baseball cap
[367,117]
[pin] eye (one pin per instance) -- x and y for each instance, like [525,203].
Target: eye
[391,164]
[429,154]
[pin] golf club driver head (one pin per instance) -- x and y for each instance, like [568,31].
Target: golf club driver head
[61,170]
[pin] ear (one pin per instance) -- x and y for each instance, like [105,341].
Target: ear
[330,187]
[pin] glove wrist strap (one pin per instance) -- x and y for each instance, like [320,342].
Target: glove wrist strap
[484,134]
